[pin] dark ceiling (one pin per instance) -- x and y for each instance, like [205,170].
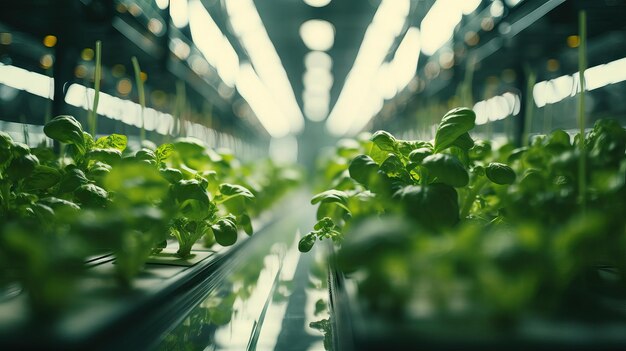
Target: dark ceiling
[84,21]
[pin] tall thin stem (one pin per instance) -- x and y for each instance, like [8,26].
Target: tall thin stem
[582,66]
[142,95]
[93,117]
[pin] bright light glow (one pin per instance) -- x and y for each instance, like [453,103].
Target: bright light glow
[318,59]
[469,6]
[179,12]
[248,27]
[439,23]
[317,34]
[555,90]
[118,109]
[284,149]
[317,81]
[21,79]
[497,108]
[261,102]
[404,64]
[317,3]
[359,99]
[162,4]
[496,9]
[212,43]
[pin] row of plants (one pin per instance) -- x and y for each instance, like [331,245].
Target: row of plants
[96,196]
[456,228]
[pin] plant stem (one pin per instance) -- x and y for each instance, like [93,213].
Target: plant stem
[96,86]
[582,66]
[142,95]
[471,196]
[531,79]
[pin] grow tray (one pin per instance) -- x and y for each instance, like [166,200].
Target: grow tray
[104,315]
[356,328]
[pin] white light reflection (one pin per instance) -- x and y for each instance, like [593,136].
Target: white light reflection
[555,90]
[262,103]
[497,108]
[212,43]
[317,34]
[357,104]
[249,28]
[21,79]
[179,12]
[317,81]
[439,23]
[317,3]
[162,4]
[122,110]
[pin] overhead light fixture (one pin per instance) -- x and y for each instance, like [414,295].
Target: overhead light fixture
[179,12]
[162,4]
[214,46]
[557,89]
[317,3]
[317,81]
[261,102]
[359,99]
[248,27]
[318,59]
[21,79]
[497,108]
[404,64]
[439,23]
[317,34]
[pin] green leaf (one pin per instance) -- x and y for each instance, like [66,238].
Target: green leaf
[91,195]
[330,196]
[384,140]
[136,182]
[433,206]
[193,199]
[109,156]
[393,167]
[418,155]
[98,170]
[22,167]
[189,146]
[480,150]
[464,141]
[163,152]
[246,223]
[405,147]
[363,169]
[190,189]
[60,204]
[233,190]
[6,142]
[500,173]
[113,141]
[65,129]
[447,169]
[172,175]
[72,179]
[225,231]
[43,177]
[306,243]
[145,155]
[454,124]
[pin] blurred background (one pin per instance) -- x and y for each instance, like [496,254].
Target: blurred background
[288,77]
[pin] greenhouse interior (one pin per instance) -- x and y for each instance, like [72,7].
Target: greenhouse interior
[313,174]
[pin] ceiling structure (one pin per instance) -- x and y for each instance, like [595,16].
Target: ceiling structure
[266,37]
